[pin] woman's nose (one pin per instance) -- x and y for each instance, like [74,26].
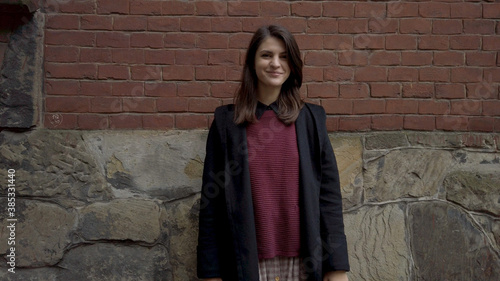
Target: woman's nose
[275,61]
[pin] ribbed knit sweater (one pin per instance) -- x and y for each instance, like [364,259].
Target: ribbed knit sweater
[274,175]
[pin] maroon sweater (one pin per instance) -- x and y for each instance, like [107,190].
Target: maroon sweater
[274,175]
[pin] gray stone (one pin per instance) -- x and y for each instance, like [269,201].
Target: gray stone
[435,139]
[165,165]
[52,164]
[21,75]
[376,237]
[405,173]
[447,245]
[42,232]
[474,191]
[115,262]
[121,219]
[29,274]
[386,141]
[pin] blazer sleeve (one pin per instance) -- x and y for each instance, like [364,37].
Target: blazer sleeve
[331,217]
[208,265]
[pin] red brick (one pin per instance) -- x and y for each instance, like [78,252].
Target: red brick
[481,59]
[254,23]
[332,124]
[450,91]
[365,41]
[60,54]
[163,24]
[194,89]
[434,10]
[177,8]
[191,121]
[113,39]
[274,9]
[127,89]
[387,122]
[173,40]
[239,41]
[403,74]
[239,8]
[70,38]
[212,41]
[465,10]
[191,57]
[357,58]
[491,108]
[371,106]
[449,58]
[224,90]
[497,129]
[146,40]
[293,24]
[479,26]
[447,26]
[337,106]
[323,26]
[401,106]
[418,90]
[452,123]
[172,104]
[312,74]
[76,7]
[158,89]
[492,75]
[369,10]
[466,74]
[223,57]
[143,7]
[309,41]
[214,73]
[338,42]
[385,90]
[319,58]
[353,25]
[139,105]
[338,9]
[491,43]
[125,121]
[106,105]
[178,72]
[117,72]
[306,9]
[60,121]
[67,104]
[402,9]
[434,74]
[354,124]
[95,55]
[130,23]
[481,124]
[491,11]
[145,73]
[400,42]
[423,123]
[211,8]
[92,122]
[352,91]
[95,22]
[112,7]
[385,58]
[415,25]
[483,90]
[195,24]
[224,24]
[129,56]
[433,107]
[75,70]
[62,22]
[203,105]
[370,74]
[416,58]
[157,122]
[62,87]
[465,42]
[338,73]
[94,88]
[322,90]
[465,107]
[159,57]
[433,42]
[383,25]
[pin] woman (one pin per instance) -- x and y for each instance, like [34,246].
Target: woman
[271,207]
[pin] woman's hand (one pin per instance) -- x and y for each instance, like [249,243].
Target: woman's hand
[336,276]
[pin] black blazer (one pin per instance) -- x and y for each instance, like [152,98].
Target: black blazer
[227,245]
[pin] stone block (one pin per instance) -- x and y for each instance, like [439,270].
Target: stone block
[376,237]
[405,173]
[447,245]
[121,219]
[386,141]
[43,231]
[435,139]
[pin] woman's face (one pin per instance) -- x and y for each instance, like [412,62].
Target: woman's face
[271,63]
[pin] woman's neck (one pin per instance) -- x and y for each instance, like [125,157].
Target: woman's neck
[268,95]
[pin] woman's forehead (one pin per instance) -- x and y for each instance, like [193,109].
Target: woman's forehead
[272,44]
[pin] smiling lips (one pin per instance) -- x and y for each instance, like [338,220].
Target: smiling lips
[274,74]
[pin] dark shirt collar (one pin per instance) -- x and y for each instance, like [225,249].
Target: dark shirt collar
[261,108]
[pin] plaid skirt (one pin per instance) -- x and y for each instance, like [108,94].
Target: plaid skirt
[281,269]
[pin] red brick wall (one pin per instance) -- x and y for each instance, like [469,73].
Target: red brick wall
[373,65]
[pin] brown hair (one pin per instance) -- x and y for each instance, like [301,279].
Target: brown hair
[289,101]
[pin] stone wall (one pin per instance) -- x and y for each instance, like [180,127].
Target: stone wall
[123,205]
